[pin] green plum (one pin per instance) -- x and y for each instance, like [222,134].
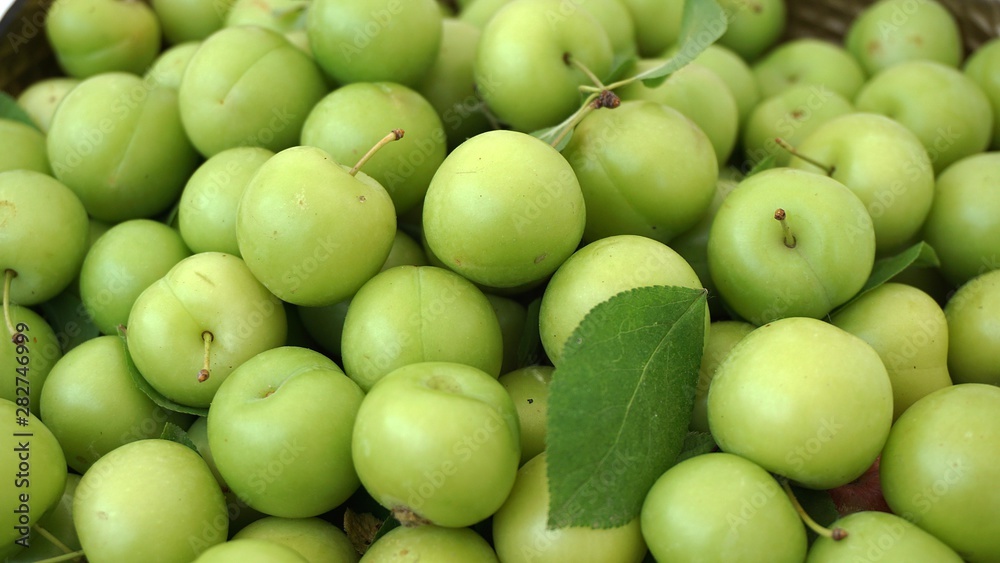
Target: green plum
[279,429]
[41,98]
[182,512]
[754,25]
[909,331]
[206,214]
[191,328]
[890,32]
[964,221]
[521,533]
[437,442]
[523,62]
[788,243]
[117,141]
[311,230]
[316,540]
[32,358]
[430,543]
[657,24]
[168,68]
[598,272]
[616,19]
[722,337]
[247,86]
[644,169]
[880,536]
[512,317]
[478,12]
[804,399]
[737,75]
[973,334]
[283,16]
[44,229]
[809,61]
[250,550]
[124,261]
[720,507]
[362,40]
[983,67]
[25,148]
[91,37]
[356,116]
[529,389]
[504,209]
[190,20]
[939,466]
[884,164]
[946,109]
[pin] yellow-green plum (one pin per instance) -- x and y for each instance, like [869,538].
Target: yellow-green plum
[512,317]
[880,536]
[722,337]
[478,12]
[754,26]
[890,32]
[657,24]
[284,16]
[25,148]
[737,75]
[983,67]
[90,37]
[430,543]
[803,399]
[808,61]
[190,20]
[318,541]
[168,68]
[28,359]
[40,99]
[250,550]
[973,334]
[938,468]
[529,389]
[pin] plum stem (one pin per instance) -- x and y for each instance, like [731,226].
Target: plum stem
[204,373]
[835,534]
[795,152]
[64,557]
[8,275]
[779,215]
[570,60]
[394,135]
[55,541]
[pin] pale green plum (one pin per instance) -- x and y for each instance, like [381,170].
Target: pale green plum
[318,541]
[92,405]
[44,228]
[449,85]
[250,550]
[939,466]
[754,26]
[59,523]
[478,12]
[209,297]
[310,231]
[362,40]
[657,24]
[168,68]
[880,536]
[983,67]
[736,73]
[190,20]
[617,21]
[644,169]
[90,37]
[36,473]
[599,271]
[719,507]
[523,53]
[280,432]
[504,209]
[791,115]
[354,117]
[698,93]
[529,389]
[124,261]
[430,543]
[946,109]
[973,334]
[909,331]
[512,317]
[884,164]
[283,16]
[41,98]
[722,337]
[117,141]
[964,221]
[521,533]
[815,258]
[247,86]
[25,148]
[890,32]
[206,214]
[411,314]
[803,399]
[40,350]
[437,442]
[809,61]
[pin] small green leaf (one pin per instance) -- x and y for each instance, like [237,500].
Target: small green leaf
[621,402]
[702,24]
[920,254]
[69,320]
[146,388]
[621,64]
[387,525]
[766,163]
[177,434]
[10,109]
[529,350]
[695,444]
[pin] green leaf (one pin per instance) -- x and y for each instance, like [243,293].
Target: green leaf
[702,24]
[529,350]
[69,320]
[920,255]
[177,434]
[695,444]
[10,109]
[620,403]
[766,163]
[621,64]
[146,388]
[550,134]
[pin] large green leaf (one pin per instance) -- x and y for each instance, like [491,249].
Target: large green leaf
[621,402]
